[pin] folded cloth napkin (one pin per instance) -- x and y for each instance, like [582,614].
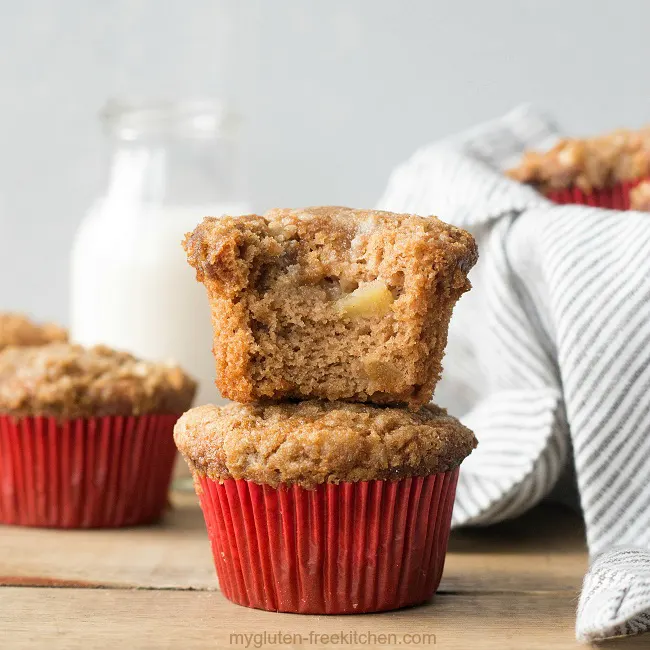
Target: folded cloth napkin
[551,354]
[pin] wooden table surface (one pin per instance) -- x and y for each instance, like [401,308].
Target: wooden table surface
[514,585]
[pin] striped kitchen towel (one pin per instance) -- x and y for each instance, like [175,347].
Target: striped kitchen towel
[550,354]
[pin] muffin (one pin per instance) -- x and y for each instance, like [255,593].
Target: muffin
[330,303]
[640,197]
[86,436]
[322,507]
[598,171]
[17,329]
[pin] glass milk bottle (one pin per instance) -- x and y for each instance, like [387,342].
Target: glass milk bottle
[132,288]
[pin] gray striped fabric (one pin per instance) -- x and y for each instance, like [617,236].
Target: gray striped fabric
[548,355]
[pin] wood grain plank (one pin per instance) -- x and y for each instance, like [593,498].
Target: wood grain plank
[542,551]
[173,554]
[78,619]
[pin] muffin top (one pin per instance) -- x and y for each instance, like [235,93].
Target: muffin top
[17,329]
[317,242]
[587,163]
[313,442]
[69,381]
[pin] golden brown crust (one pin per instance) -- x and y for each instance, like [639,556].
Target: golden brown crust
[275,283]
[314,442]
[17,329]
[587,163]
[68,381]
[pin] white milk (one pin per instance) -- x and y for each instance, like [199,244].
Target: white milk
[132,288]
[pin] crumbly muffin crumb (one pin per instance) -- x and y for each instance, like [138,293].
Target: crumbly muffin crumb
[587,163]
[314,442]
[69,381]
[17,329]
[330,303]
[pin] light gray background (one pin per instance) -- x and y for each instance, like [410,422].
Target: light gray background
[335,92]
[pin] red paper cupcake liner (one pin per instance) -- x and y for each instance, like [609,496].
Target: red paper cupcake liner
[613,198]
[86,473]
[338,549]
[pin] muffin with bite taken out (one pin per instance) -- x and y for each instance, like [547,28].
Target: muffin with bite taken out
[330,303]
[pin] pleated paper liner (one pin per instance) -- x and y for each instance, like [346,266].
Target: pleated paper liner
[337,549]
[612,198]
[87,473]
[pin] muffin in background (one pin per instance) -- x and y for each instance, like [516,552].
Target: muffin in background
[18,329]
[599,171]
[330,303]
[86,436]
[322,507]
[640,197]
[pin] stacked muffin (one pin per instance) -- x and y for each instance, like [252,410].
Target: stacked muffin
[329,487]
